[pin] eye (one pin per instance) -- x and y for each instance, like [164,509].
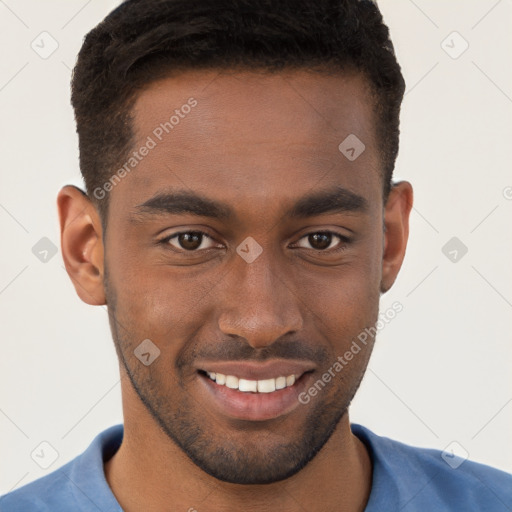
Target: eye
[323,240]
[195,241]
[191,241]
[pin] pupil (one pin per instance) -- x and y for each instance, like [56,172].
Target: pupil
[190,241]
[320,240]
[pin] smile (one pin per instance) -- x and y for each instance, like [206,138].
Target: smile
[252,391]
[253,386]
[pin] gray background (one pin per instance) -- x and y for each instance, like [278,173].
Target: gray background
[441,369]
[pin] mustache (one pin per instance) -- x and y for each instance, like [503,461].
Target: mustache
[239,350]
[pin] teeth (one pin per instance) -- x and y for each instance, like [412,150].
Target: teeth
[290,380]
[231,382]
[266,386]
[253,386]
[247,385]
[280,382]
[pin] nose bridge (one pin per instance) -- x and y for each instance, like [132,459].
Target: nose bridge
[257,303]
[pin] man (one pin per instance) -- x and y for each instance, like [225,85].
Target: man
[240,223]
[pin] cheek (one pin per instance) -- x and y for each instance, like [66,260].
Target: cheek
[158,303]
[345,298]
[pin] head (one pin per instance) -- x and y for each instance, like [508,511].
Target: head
[239,207]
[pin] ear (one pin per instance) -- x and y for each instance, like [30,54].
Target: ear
[396,226]
[82,244]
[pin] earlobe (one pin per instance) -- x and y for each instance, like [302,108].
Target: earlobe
[396,233]
[82,244]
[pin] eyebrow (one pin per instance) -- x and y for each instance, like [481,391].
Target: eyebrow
[325,201]
[332,200]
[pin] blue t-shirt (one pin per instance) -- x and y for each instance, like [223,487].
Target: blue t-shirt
[405,479]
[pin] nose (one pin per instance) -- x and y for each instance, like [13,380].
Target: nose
[259,302]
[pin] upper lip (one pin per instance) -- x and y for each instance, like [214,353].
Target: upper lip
[258,371]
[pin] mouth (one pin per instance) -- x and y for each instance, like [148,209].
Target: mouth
[253,393]
[270,385]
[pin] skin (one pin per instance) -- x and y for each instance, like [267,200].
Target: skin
[257,142]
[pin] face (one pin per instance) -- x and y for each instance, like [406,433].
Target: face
[244,243]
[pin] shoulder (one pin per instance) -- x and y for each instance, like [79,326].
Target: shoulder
[415,478]
[77,485]
[48,493]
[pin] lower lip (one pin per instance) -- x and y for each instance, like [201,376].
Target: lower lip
[253,406]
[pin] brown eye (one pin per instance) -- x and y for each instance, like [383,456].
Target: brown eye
[322,240]
[188,240]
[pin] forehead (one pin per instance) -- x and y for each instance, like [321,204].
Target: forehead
[257,134]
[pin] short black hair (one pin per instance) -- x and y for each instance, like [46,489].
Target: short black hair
[141,41]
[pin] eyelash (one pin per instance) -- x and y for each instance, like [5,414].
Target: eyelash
[344,240]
